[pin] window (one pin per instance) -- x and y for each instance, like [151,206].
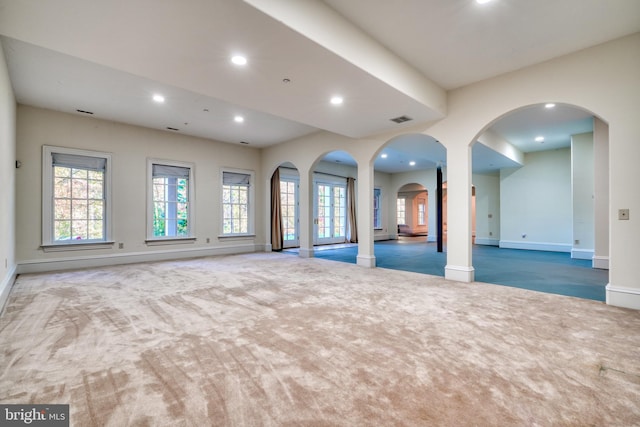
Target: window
[422,212]
[289,207]
[171,200]
[237,200]
[76,197]
[401,207]
[377,219]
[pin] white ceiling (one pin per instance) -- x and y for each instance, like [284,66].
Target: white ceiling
[110,57]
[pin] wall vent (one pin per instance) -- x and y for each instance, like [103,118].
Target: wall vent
[401,119]
[84,111]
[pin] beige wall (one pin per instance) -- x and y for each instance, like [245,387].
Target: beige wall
[130,147]
[7,178]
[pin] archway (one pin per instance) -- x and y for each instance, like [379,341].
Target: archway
[533,169]
[334,196]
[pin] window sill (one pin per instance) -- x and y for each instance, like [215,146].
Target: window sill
[170,241]
[237,236]
[61,247]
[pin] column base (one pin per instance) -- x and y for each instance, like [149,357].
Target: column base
[459,273]
[305,253]
[368,261]
[623,297]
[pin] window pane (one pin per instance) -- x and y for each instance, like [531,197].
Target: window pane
[59,171]
[79,188]
[79,173]
[96,190]
[95,229]
[96,210]
[61,230]
[62,209]
[79,230]
[79,209]
[62,188]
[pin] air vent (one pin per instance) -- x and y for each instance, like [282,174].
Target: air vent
[173,129]
[84,112]
[244,142]
[401,119]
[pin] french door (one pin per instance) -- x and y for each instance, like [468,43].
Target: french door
[289,207]
[330,213]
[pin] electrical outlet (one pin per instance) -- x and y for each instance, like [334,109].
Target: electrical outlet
[623,213]
[120,245]
[576,242]
[208,240]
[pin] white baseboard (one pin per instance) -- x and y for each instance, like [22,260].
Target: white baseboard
[623,297]
[535,246]
[383,237]
[459,273]
[487,241]
[6,285]
[55,264]
[582,253]
[601,262]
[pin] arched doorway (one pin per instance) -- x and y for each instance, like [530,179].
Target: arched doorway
[534,171]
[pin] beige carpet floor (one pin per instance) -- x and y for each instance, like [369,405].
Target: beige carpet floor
[276,340]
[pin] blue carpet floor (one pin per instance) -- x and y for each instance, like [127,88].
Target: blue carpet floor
[551,272]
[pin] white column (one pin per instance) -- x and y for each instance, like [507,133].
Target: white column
[459,265]
[306,213]
[601,194]
[364,216]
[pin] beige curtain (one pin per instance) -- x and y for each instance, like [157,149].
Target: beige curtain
[352,228]
[276,213]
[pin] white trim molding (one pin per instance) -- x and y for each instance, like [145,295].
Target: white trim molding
[623,297]
[6,285]
[582,253]
[535,246]
[55,264]
[459,273]
[487,241]
[601,262]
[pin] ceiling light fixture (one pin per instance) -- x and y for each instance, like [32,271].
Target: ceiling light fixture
[412,163]
[239,60]
[238,119]
[549,105]
[383,155]
[337,100]
[539,138]
[482,1]
[158,98]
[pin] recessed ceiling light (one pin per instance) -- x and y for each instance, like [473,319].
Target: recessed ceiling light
[412,163]
[239,60]
[482,1]
[549,105]
[238,119]
[383,155]
[539,138]
[158,98]
[337,100]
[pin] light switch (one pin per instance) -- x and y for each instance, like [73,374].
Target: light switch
[623,213]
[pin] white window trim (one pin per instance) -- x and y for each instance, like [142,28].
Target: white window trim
[380,227]
[48,244]
[152,240]
[251,208]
